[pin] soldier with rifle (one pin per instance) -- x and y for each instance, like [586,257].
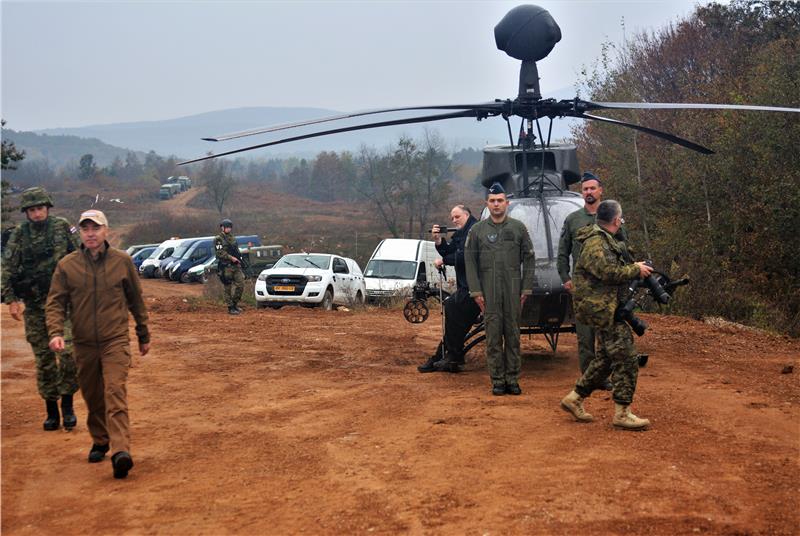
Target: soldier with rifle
[33,250]
[230,265]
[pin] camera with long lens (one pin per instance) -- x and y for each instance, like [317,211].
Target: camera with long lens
[443,229]
[658,285]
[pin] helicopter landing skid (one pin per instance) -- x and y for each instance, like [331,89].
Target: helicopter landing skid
[551,334]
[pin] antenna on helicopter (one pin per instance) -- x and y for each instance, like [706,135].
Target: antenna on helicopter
[527,33]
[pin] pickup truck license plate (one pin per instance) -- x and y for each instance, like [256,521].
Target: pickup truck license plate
[284,288]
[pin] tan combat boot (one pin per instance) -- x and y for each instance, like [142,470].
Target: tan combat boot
[573,403]
[623,418]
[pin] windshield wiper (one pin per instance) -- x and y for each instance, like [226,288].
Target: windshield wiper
[290,264]
[309,261]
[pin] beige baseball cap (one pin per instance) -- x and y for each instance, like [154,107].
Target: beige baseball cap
[94,215]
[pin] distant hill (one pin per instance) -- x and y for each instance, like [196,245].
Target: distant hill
[181,136]
[61,149]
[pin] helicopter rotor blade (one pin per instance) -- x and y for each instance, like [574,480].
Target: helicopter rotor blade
[489,106]
[479,114]
[657,133]
[683,106]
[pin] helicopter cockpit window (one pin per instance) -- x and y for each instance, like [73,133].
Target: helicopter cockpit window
[535,162]
[391,269]
[530,213]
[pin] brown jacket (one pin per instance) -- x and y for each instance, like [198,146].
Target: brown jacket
[98,293]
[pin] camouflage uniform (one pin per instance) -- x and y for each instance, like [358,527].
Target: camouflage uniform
[230,273]
[600,277]
[568,245]
[493,254]
[31,255]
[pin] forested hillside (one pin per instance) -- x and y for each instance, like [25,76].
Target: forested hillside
[61,150]
[729,219]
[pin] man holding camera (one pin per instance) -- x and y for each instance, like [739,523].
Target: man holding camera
[570,246]
[600,278]
[460,310]
[499,260]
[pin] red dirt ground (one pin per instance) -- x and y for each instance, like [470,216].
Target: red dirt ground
[305,421]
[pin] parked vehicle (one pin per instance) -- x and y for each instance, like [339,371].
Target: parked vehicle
[132,250]
[198,253]
[140,256]
[262,257]
[398,263]
[164,193]
[201,272]
[246,243]
[164,250]
[180,250]
[311,279]
[185,182]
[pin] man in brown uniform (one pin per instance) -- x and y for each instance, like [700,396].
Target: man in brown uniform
[99,285]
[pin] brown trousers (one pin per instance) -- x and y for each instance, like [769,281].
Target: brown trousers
[102,375]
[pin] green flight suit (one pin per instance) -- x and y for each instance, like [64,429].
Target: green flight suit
[568,246]
[230,273]
[601,277]
[29,259]
[499,262]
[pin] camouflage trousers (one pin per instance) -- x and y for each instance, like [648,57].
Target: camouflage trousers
[615,355]
[233,280]
[585,334]
[55,377]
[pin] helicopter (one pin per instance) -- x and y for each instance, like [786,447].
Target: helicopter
[536,173]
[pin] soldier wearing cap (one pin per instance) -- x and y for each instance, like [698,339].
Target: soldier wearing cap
[493,253]
[570,246]
[229,265]
[33,250]
[99,285]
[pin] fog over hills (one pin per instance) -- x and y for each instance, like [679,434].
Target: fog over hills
[181,136]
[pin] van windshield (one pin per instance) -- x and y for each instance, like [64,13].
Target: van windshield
[180,251]
[166,253]
[391,269]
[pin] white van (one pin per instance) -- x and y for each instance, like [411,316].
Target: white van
[398,263]
[148,267]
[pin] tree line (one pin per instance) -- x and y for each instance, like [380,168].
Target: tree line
[405,184]
[728,220]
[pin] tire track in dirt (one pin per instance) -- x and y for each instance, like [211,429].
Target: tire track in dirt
[319,422]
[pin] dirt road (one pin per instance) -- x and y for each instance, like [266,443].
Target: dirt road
[305,421]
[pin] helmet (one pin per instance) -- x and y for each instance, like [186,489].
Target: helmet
[226,223]
[33,197]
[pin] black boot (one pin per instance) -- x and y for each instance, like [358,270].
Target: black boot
[97,453]
[233,310]
[121,463]
[53,418]
[68,413]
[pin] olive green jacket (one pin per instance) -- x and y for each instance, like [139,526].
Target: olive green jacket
[600,277]
[495,252]
[570,246]
[30,257]
[224,243]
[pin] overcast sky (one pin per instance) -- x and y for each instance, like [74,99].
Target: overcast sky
[67,64]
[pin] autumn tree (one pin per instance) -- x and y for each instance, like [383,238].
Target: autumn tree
[726,219]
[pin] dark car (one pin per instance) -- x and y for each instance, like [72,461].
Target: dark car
[180,250]
[139,257]
[198,253]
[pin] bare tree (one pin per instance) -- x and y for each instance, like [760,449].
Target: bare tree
[218,182]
